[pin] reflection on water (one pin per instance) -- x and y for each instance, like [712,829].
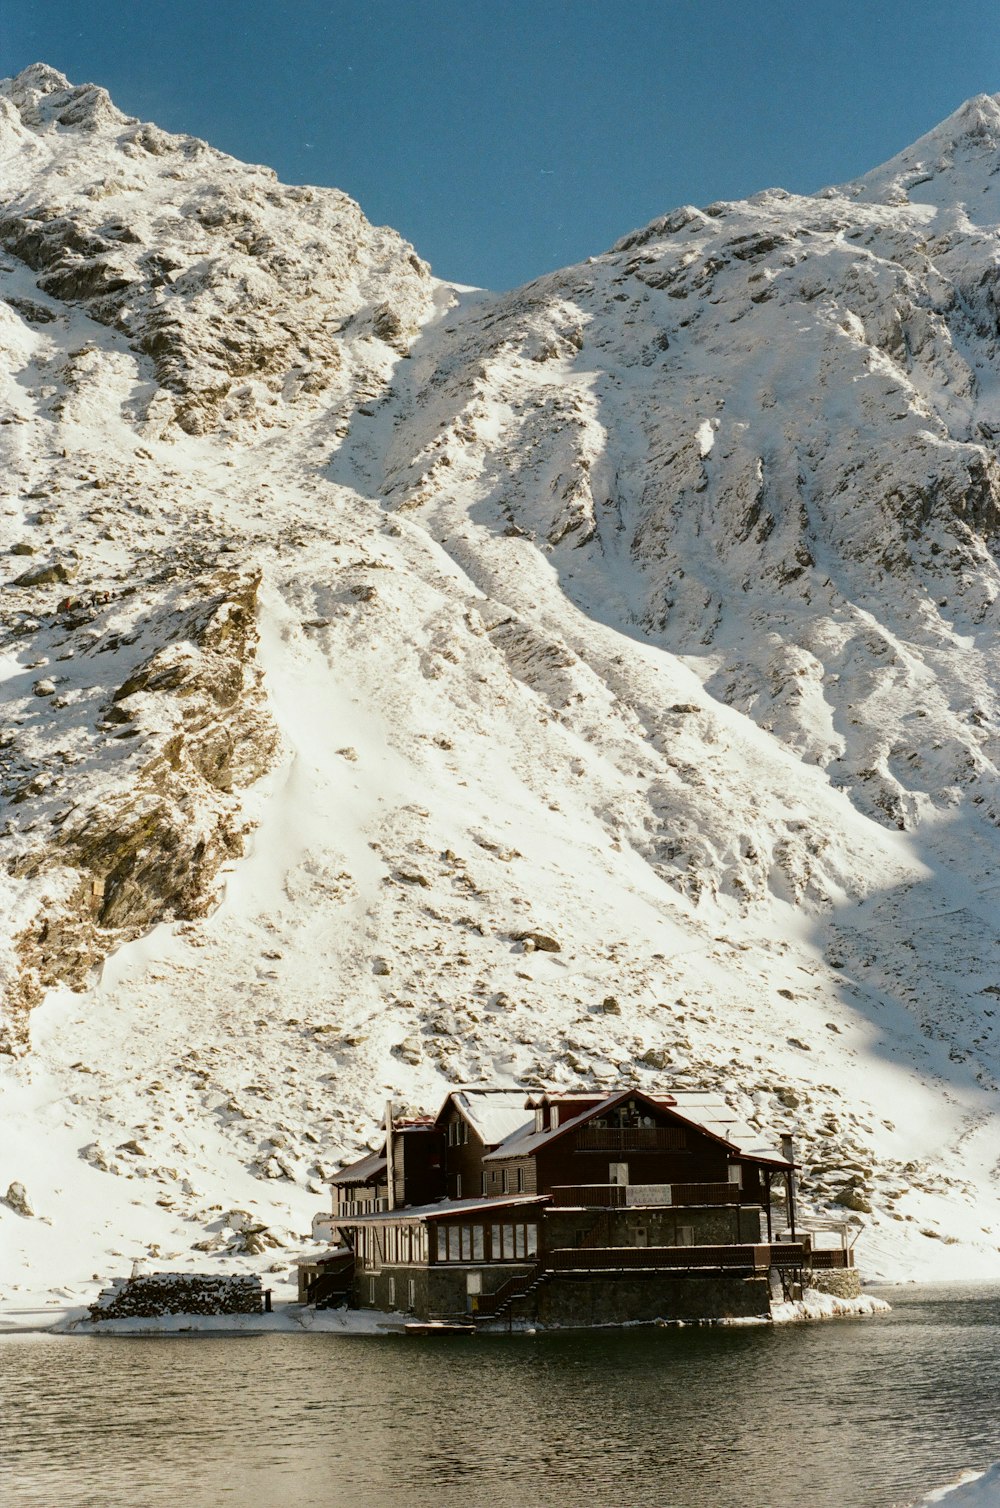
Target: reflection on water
[863,1414]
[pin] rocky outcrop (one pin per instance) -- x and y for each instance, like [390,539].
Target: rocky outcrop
[144,840]
[247,296]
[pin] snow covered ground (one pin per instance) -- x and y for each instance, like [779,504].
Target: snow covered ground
[972,1490]
[651,606]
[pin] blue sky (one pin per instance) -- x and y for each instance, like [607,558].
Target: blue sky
[508,138]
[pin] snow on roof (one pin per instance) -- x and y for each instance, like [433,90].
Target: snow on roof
[495,1114]
[705,1111]
[711,1113]
[446,1207]
[363,1170]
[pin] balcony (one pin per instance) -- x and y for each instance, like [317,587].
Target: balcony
[744,1257]
[647,1195]
[630,1138]
[351,1207]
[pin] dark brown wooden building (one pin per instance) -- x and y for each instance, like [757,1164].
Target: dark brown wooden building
[574,1209]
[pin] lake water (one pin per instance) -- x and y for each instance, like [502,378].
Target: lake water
[846,1414]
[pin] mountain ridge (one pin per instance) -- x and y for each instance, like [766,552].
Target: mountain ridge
[650,606]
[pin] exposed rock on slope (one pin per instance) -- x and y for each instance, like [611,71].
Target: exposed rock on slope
[247,296]
[606,690]
[133,797]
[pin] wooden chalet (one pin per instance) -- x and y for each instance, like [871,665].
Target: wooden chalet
[565,1209]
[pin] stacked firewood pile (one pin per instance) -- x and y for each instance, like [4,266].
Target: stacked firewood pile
[156,1293]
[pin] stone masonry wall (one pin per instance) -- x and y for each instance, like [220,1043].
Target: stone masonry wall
[842,1282]
[564,1301]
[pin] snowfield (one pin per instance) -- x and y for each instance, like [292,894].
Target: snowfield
[354,623]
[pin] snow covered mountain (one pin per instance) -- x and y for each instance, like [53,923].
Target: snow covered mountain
[359,629]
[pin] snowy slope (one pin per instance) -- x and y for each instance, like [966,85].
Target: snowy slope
[650,607]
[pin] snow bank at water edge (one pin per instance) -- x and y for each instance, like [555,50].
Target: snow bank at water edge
[815,1305]
[285,1319]
[979,1489]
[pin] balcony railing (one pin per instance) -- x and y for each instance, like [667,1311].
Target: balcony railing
[832,1257]
[747,1257]
[630,1138]
[360,1207]
[632,1195]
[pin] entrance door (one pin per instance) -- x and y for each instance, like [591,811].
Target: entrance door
[618,1172]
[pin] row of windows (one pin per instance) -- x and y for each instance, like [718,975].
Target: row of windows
[409,1245]
[411,1293]
[490,1183]
[501,1179]
[458,1133]
[486,1243]
[398,1244]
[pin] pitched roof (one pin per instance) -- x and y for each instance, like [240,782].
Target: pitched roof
[494,1114]
[446,1207]
[362,1171]
[705,1112]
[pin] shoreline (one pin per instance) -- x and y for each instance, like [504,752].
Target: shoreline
[295,1319]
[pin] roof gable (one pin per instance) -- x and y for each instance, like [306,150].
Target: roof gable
[493,1114]
[709,1115]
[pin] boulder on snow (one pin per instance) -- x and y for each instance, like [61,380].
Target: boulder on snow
[540,940]
[17,1199]
[47,574]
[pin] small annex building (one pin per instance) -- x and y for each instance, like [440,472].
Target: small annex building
[572,1209]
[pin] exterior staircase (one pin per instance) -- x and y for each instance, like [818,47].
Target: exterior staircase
[494,1306]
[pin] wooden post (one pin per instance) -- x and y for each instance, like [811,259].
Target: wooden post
[390,1160]
[787,1151]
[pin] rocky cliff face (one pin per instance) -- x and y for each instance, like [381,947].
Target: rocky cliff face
[359,631]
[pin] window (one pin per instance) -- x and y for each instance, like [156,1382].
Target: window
[392,1293]
[520,1241]
[736,1174]
[508,1242]
[466,1246]
[482,1184]
[477,1243]
[371,1290]
[504,1181]
[458,1185]
[532,1240]
[520,1180]
[412,1294]
[685,1235]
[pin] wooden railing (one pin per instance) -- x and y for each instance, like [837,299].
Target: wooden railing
[601,1195]
[748,1257]
[835,1257]
[487,1304]
[630,1138]
[707,1193]
[618,1196]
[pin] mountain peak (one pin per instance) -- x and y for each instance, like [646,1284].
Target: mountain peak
[42,96]
[954,165]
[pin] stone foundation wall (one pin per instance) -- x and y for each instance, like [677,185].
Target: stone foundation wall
[568,1301]
[157,1293]
[842,1282]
